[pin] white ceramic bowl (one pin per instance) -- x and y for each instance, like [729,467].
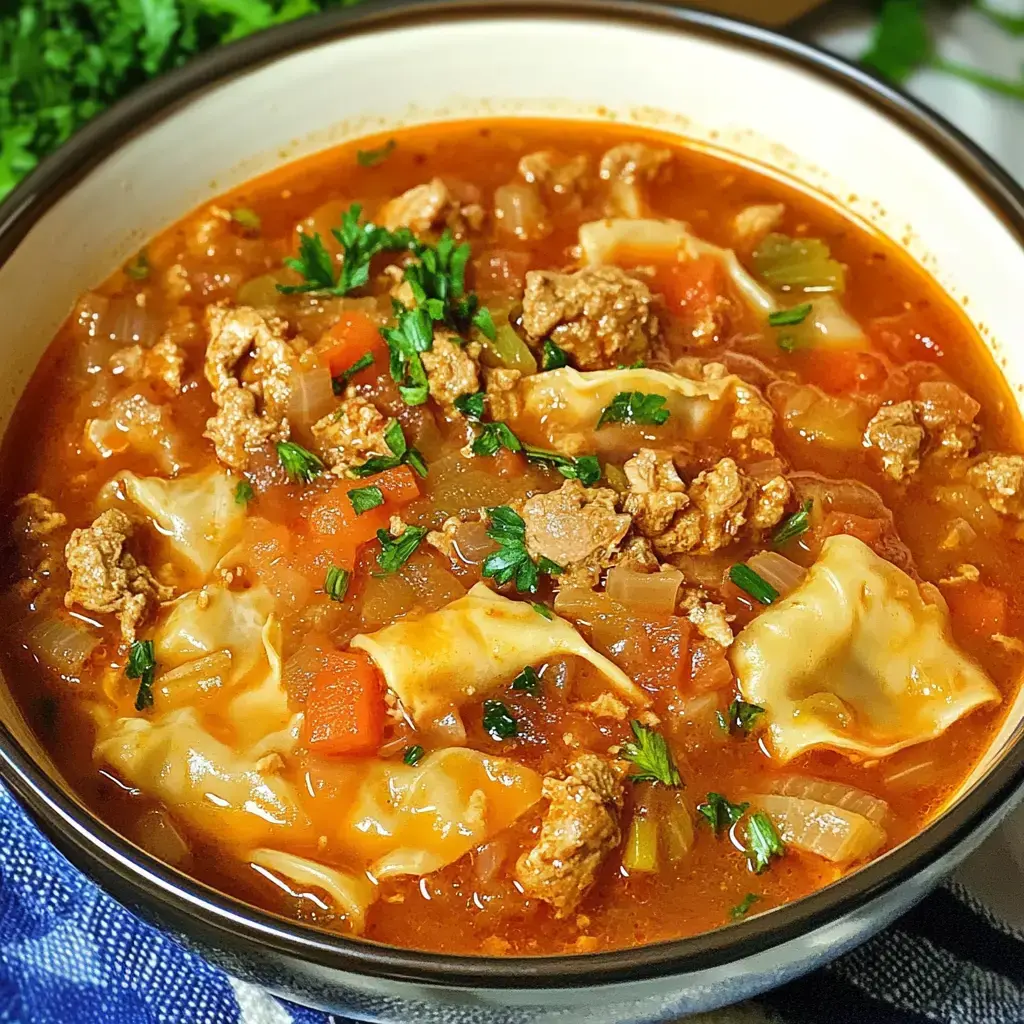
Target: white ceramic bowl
[247,108]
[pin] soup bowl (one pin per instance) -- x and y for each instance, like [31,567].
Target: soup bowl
[766,101]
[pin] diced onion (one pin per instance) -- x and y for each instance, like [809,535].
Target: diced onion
[262,291]
[489,860]
[449,729]
[778,571]
[676,825]
[832,326]
[158,835]
[653,591]
[471,543]
[828,831]
[195,679]
[520,211]
[129,323]
[641,852]
[312,396]
[60,644]
[836,793]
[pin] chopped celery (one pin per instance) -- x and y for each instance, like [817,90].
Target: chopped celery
[800,263]
[641,845]
[678,829]
[507,350]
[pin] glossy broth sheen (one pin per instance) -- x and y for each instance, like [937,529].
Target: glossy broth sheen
[474,904]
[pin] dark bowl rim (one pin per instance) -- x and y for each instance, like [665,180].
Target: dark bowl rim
[142,881]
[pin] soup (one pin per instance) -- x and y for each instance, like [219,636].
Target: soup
[515,538]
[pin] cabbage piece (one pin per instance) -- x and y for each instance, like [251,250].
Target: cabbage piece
[659,241]
[855,659]
[197,514]
[802,263]
[473,647]
[203,781]
[559,409]
[350,894]
[399,819]
[832,832]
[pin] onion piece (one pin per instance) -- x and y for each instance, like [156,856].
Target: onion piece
[837,794]
[837,834]
[312,396]
[60,645]
[158,835]
[653,591]
[519,210]
[779,571]
[471,544]
[448,731]
[909,774]
[832,327]
[131,322]
[194,680]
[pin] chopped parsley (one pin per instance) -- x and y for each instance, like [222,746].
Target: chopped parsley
[498,722]
[790,342]
[542,610]
[301,465]
[756,586]
[493,437]
[788,317]
[137,268]
[244,492]
[401,453]
[721,813]
[584,468]
[142,666]
[248,220]
[741,908]
[365,498]
[527,680]
[634,407]
[396,551]
[372,157]
[763,842]
[512,561]
[413,754]
[651,756]
[336,583]
[484,323]
[552,357]
[798,523]
[364,362]
[471,405]
[740,716]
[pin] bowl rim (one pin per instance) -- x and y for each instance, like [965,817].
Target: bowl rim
[143,881]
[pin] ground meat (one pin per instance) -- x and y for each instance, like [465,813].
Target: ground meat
[947,413]
[560,174]
[601,316]
[753,422]
[709,618]
[163,363]
[36,521]
[503,399]
[432,205]
[638,555]
[1001,479]
[752,223]
[250,411]
[576,527]
[656,493]
[106,578]
[137,423]
[452,370]
[895,433]
[580,828]
[633,161]
[605,705]
[36,517]
[351,434]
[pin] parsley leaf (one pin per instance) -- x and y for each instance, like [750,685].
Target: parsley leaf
[720,813]
[634,407]
[741,908]
[552,357]
[394,438]
[137,268]
[498,722]
[372,157]
[142,666]
[542,610]
[512,561]
[395,552]
[484,323]
[413,755]
[364,362]
[763,842]
[742,716]
[527,680]
[493,437]
[315,264]
[336,583]
[471,405]
[798,523]
[365,498]
[651,755]
[299,463]
[244,492]
[758,588]
[787,317]
[584,468]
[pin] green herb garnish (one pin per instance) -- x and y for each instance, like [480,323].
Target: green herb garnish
[513,561]
[244,492]
[527,680]
[741,908]
[763,842]
[395,552]
[552,357]
[413,755]
[372,157]
[142,666]
[471,405]
[758,588]
[498,723]
[787,317]
[493,437]
[248,220]
[542,610]
[742,716]
[634,407]
[584,468]
[798,523]
[651,755]
[394,438]
[137,268]
[721,813]
[340,382]
[365,498]
[301,465]
[336,583]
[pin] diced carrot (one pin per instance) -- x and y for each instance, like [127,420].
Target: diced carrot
[976,607]
[846,371]
[690,284]
[351,338]
[345,708]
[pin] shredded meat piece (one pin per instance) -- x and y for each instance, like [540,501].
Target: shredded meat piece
[752,223]
[753,421]
[656,493]
[452,370]
[239,427]
[895,433]
[37,517]
[106,578]
[638,555]
[632,161]
[1001,479]
[965,573]
[351,434]
[947,414]
[580,828]
[503,399]
[164,363]
[561,174]
[709,618]
[601,316]
[432,205]
[576,527]
[605,705]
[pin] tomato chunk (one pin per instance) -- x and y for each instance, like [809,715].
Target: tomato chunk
[345,707]
[352,337]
